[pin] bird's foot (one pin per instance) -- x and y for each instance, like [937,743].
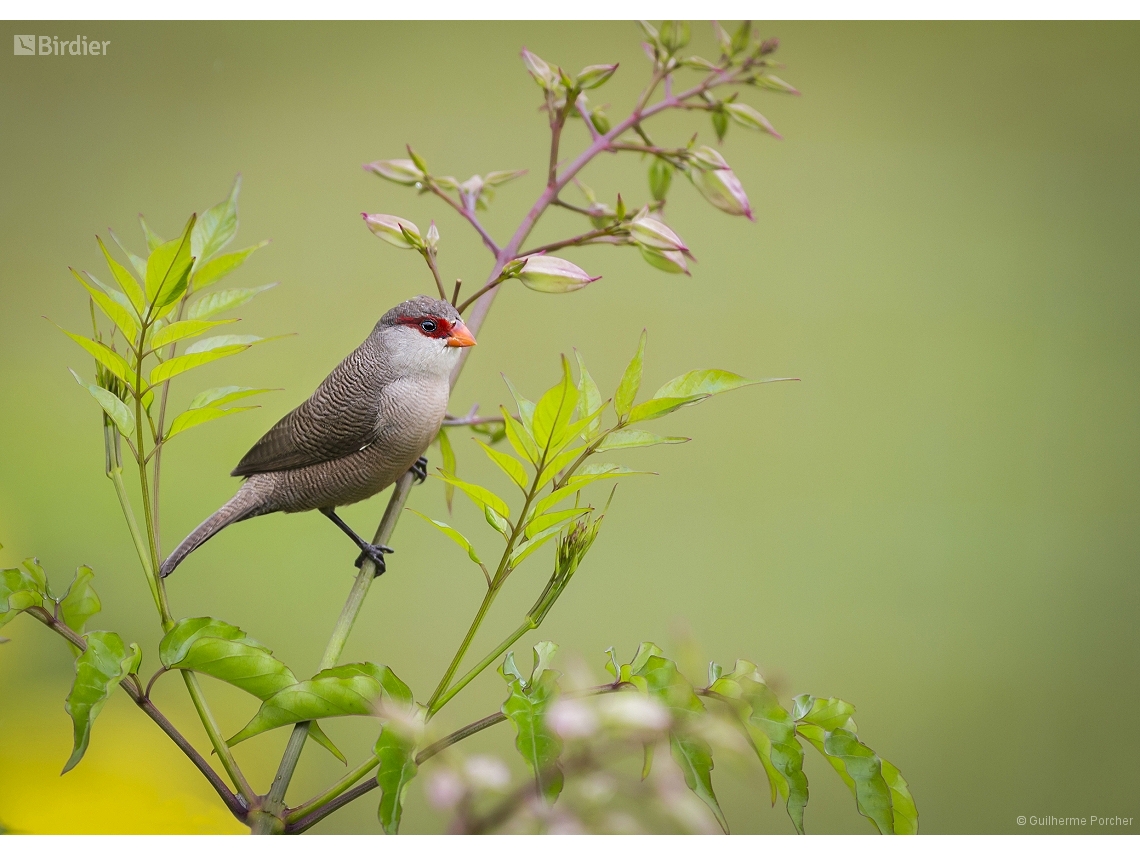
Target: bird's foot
[376,554]
[419,470]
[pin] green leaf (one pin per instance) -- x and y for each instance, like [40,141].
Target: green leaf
[215,228]
[665,682]
[126,281]
[520,440]
[554,410]
[345,690]
[524,550]
[591,472]
[119,412]
[772,732]
[508,464]
[710,381]
[828,713]
[223,301]
[396,751]
[859,767]
[526,408]
[221,395]
[212,271]
[173,367]
[549,501]
[223,651]
[98,670]
[153,241]
[453,534]
[481,496]
[21,588]
[559,461]
[655,408]
[106,357]
[636,439]
[183,329]
[139,264]
[120,316]
[692,754]
[197,416]
[554,520]
[526,708]
[630,380]
[220,342]
[168,268]
[448,454]
[80,602]
[902,803]
[590,399]
[498,522]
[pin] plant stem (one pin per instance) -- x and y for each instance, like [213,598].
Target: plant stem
[237,808]
[274,803]
[526,627]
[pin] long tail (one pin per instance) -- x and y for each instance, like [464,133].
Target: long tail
[242,506]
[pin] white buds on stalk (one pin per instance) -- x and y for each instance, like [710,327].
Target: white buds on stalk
[651,233]
[593,76]
[553,275]
[394,230]
[542,73]
[718,183]
[670,261]
[747,116]
[400,171]
[432,238]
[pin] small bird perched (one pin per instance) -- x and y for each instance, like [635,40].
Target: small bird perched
[368,423]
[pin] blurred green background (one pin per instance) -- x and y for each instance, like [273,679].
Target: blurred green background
[939,523]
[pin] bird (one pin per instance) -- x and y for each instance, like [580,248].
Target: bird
[368,423]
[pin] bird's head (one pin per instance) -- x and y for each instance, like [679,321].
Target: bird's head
[423,335]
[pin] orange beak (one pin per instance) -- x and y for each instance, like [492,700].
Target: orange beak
[460,336]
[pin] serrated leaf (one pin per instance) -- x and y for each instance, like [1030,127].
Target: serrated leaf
[519,439]
[119,315]
[452,533]
[183,329]
[222,395]
[106,357]
[345,690]
[481,496]
[198,416]
[212,271]
[216,227]
[173,367]
[526,708]
[513,469]
[612,663]
[98,670]
[902,803]
[119,412]
[636,439]
[396,752]
[859,767]
[630,380]
[828,713]
[692,754]
[223,651]
[223,301]
[127,282]
[168,268]
[80,603]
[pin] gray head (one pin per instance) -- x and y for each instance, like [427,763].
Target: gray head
[423,335]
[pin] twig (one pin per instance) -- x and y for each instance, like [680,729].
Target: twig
[455,295]
[467,215]
[236,806]
[580,105]
[581,240]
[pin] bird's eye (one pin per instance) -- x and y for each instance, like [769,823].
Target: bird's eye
[427,326]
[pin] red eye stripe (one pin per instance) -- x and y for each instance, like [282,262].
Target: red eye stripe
[442,329]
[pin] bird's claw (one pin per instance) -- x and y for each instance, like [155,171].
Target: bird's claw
[419,470]
[376,554]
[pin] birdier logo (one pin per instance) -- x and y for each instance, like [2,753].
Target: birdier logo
[55,46]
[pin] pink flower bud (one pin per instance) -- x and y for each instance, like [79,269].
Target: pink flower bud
[718,183]
[394,230]
[654,234]
[553,275]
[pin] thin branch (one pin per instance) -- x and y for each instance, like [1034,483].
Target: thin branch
[467,215]
[596,236]
[455,295]
[580,105]
[131,687]
[464,421]
[559,203]
[429,257]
